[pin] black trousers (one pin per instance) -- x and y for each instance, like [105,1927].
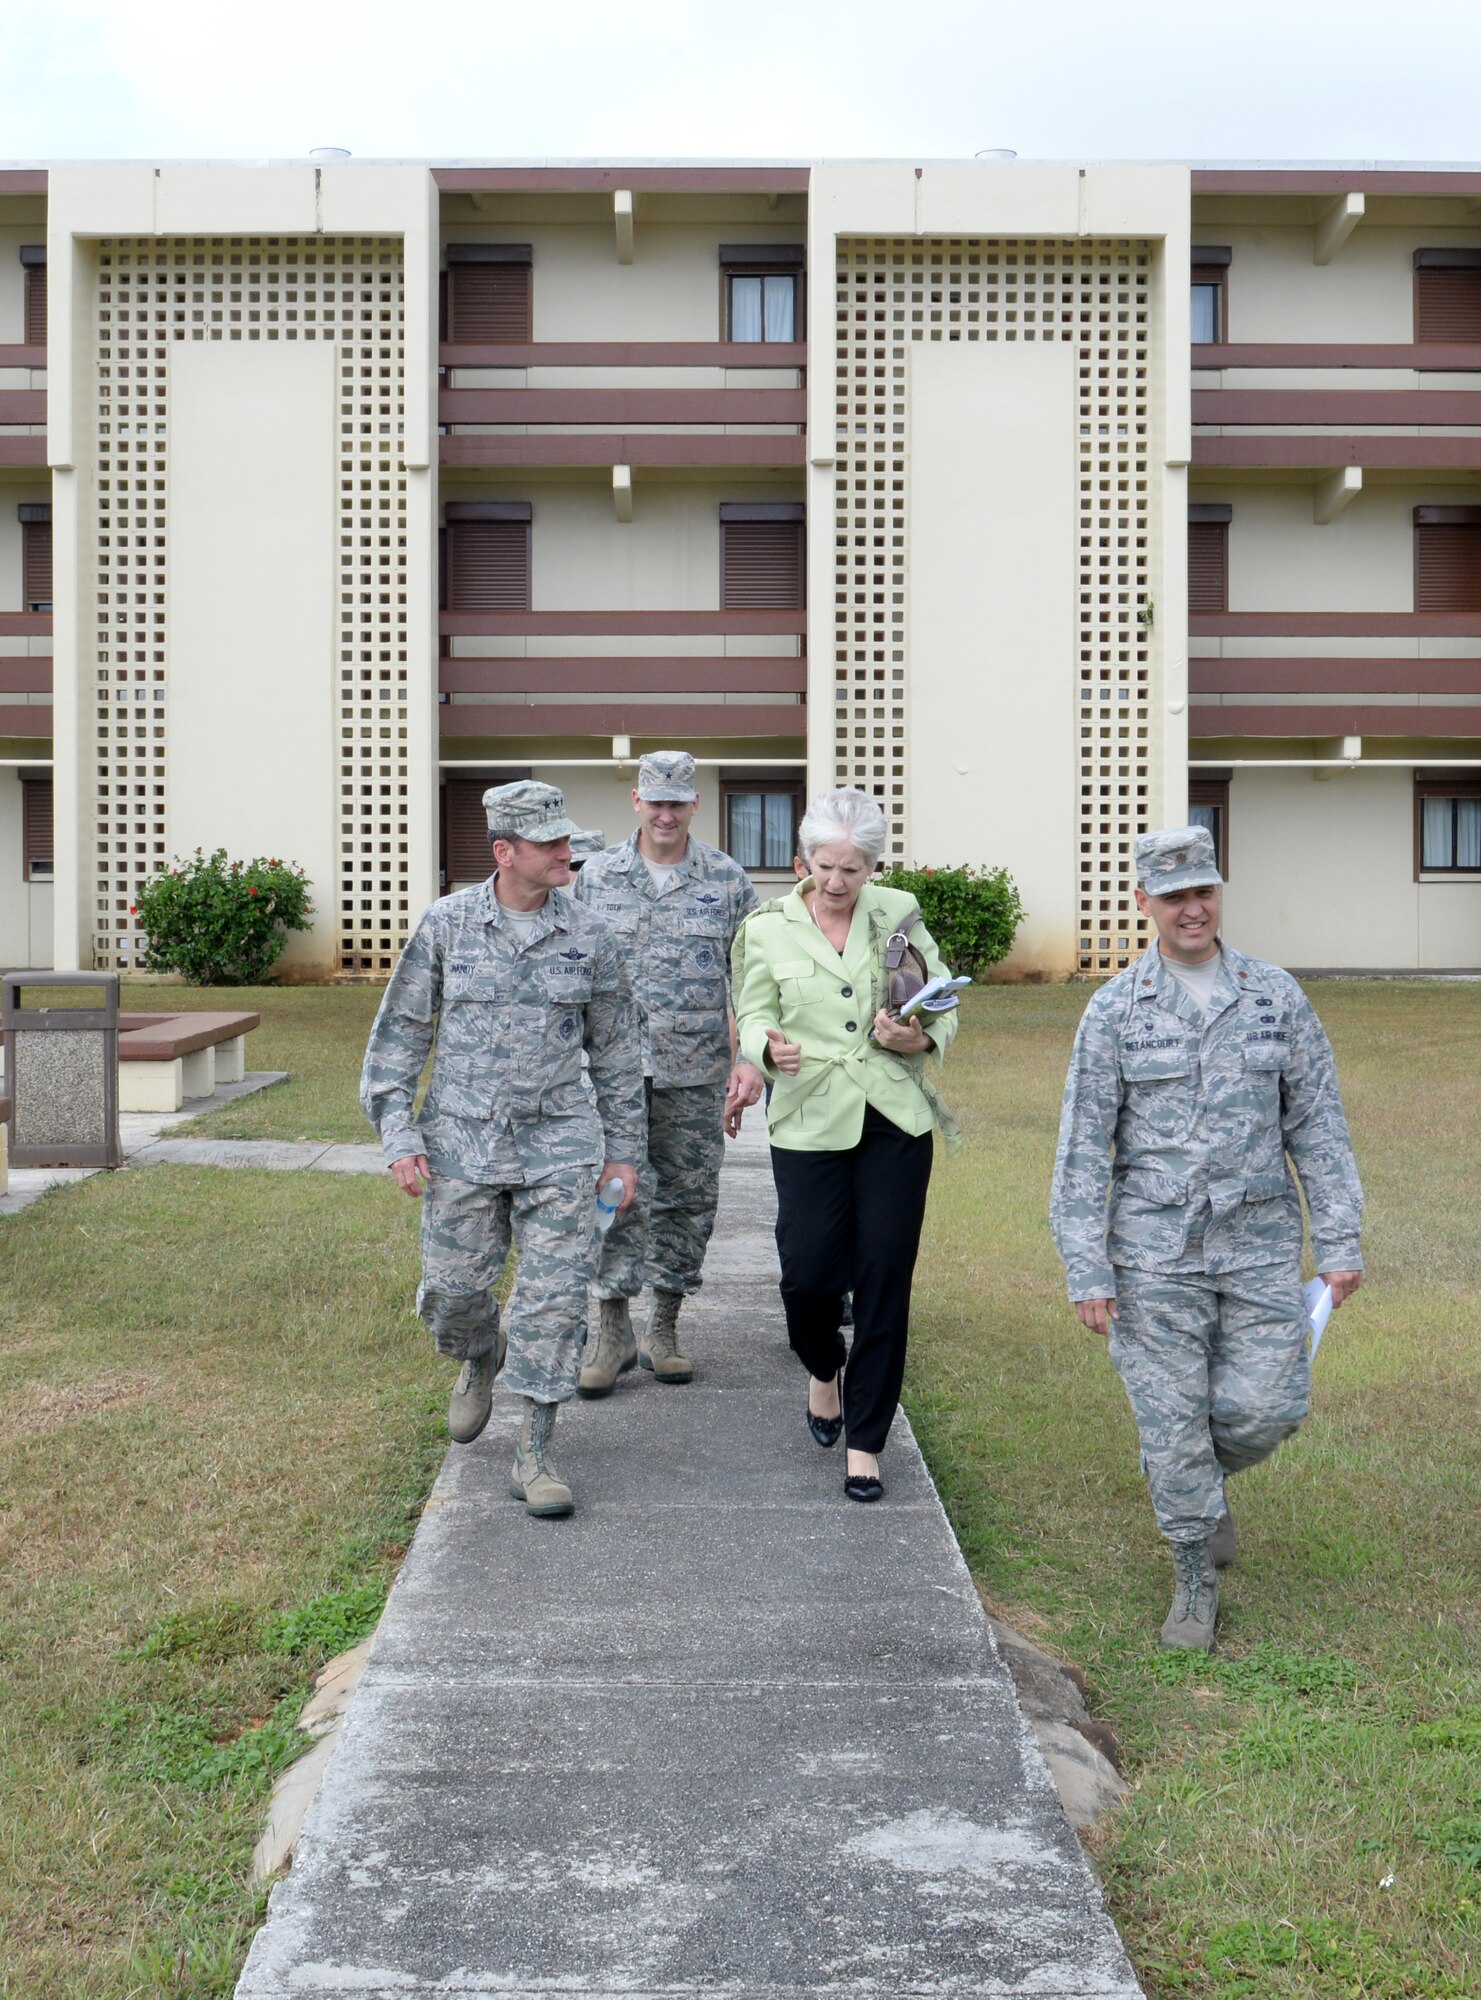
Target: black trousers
[853,1219]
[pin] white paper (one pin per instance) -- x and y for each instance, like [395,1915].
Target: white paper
[937,996]
[1318,1297]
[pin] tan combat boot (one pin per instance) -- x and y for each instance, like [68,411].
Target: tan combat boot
[1195,1600]
[616,1350]
[534,1479]
[659,1352]
[473,1393]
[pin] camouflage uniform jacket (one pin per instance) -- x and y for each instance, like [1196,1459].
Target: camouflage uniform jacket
[676,941]
[506,1104]
[1200,1113]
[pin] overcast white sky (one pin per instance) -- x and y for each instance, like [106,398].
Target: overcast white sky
[1061,79]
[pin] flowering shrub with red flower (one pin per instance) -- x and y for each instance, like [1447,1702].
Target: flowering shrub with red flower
[220,922]
[972,913]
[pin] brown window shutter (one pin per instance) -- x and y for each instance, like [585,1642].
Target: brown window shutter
[36,305]
[488,566]
[1447,305]
[489,304]
[763,566]
[36,827]
[36,565]
[1208,566]
[467,857]
[1447,565]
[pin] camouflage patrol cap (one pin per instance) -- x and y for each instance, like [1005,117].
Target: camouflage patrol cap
[527,810]
[586,842]
[667,774]
[1177,857]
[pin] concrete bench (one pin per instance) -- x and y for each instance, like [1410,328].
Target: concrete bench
[165,1058]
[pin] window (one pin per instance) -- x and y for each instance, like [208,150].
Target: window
[762,285]
[1208,558]
[763,558]
[1447,823]
[33,257]
[760,818]
[1447,296]
[35,558]
[1209,297]
[1447,558]
[465,826]
[489,294]
[36,827]
[1208,805]
[485,556]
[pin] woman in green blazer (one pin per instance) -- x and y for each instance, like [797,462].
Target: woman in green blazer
[850,1118]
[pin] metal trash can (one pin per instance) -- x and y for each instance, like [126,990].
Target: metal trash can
[61,1070]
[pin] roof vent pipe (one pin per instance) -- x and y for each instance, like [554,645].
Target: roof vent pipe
[997,153]
[329,156]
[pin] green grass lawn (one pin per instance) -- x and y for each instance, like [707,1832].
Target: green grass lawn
[316,1033]
[1334,1741]
[218,1420]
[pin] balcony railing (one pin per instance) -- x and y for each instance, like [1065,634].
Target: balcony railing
[704,694]
[1429,356]
[1298,695]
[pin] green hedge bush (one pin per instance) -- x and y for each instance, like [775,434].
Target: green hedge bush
[972,913]
[220,922]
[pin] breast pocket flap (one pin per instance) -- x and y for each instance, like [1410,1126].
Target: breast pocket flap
[1155,1065]
[1150,1185]
[1264,1055]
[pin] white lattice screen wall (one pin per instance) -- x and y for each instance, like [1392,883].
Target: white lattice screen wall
[150,293]
[1093,294]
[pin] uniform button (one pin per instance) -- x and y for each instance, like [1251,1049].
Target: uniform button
[847,991]
[851,1026]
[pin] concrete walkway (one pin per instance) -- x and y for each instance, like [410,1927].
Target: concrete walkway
[720,1733]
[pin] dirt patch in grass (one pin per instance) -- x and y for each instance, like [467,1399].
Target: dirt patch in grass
[49,1409]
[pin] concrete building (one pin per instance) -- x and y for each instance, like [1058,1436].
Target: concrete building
[1043,502]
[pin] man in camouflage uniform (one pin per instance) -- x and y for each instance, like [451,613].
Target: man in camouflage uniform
[1195,1072]
[514,980]
[675,905]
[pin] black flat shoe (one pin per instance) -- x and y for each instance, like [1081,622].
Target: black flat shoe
[860,1486]
[827,1430]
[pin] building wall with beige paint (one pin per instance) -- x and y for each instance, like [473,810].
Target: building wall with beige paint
[263,737]
[1281,559]
[1001,445]
[1277,292]
[26,908]
[1321,875]
[671,291]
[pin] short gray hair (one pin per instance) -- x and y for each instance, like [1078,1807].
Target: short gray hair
[847,815]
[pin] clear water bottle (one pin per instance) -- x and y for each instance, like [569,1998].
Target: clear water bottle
[609,1200]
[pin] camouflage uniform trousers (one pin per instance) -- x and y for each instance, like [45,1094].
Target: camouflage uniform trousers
[467,1229]
[1218,1375]
[660,1240]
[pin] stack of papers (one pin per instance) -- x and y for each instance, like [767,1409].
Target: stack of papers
[937,996]
[1318,1297]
